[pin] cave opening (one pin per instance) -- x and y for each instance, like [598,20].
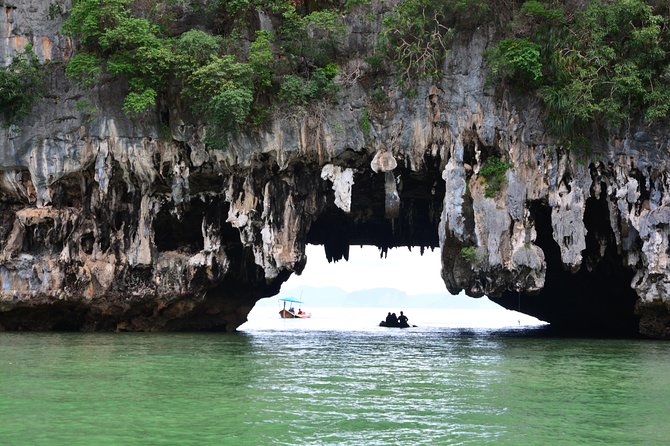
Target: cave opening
[389,261]
[358,293]
[598,298]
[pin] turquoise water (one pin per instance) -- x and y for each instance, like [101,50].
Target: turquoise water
[288,386]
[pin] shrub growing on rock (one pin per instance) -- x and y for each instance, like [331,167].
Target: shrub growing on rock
[21,84]
[603,65]
[493,170]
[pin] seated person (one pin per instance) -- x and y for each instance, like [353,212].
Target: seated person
[402,320]
[391,320]
[394,320]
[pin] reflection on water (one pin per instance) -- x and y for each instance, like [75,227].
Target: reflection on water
[427,385]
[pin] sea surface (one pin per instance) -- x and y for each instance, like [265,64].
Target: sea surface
[336,380]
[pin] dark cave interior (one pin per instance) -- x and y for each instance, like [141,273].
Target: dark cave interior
[421,196]
[597,299]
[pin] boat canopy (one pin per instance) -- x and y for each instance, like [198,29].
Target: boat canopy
[291,299]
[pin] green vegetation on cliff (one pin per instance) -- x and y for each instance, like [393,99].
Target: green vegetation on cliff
[599,67]
[228,80]
[417,34]
[494,170]
[469,253]
[113,41]
[21,83]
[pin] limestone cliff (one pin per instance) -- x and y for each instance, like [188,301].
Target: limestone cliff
[107,223]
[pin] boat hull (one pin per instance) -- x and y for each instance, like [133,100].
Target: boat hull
[384,324]
[285,314]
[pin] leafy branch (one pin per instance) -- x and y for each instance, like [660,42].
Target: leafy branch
[21,83]
[602,66]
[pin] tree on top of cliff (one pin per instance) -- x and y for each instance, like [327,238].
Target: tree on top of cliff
[115,42]
[416,34]
[20,84]
[112,41]
[604,65]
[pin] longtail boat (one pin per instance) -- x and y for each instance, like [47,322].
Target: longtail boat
[291,313]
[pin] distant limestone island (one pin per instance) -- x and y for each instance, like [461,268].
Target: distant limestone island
[390,299]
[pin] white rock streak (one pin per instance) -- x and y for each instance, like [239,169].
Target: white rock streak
[342,180]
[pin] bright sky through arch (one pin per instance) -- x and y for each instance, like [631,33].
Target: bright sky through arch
[400,269]
[358,292]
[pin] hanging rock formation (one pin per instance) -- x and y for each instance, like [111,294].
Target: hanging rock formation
[107,224]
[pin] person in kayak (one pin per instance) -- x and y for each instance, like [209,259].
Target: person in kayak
[402,320]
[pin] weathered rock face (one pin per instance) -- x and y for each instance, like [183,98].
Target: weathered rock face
[109,224]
